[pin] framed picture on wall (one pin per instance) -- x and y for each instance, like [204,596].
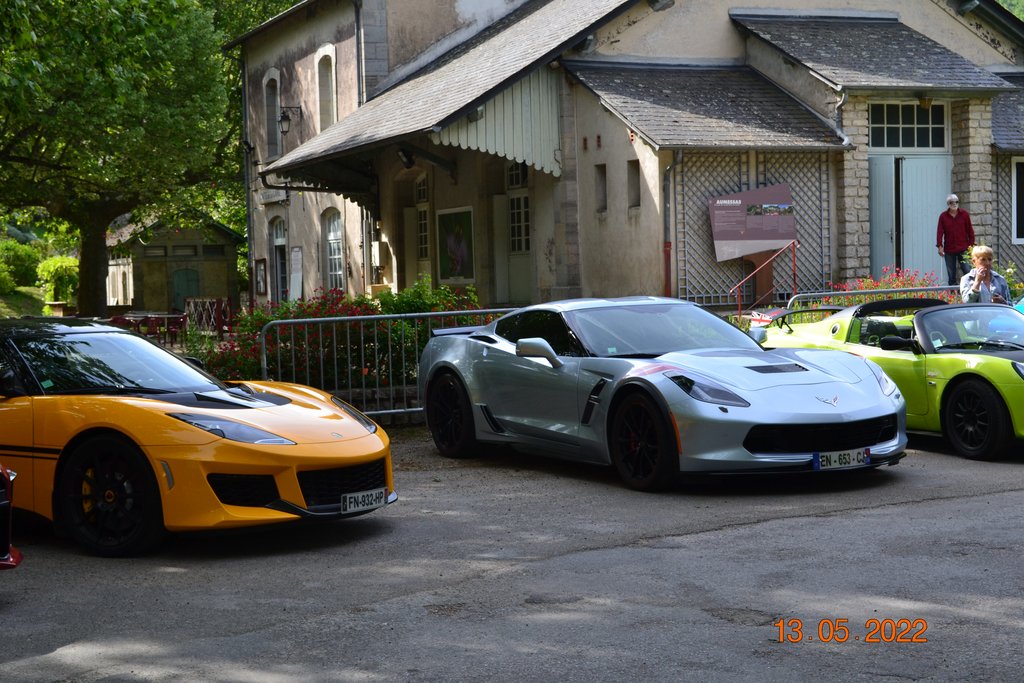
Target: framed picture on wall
[260,275]
[455,245]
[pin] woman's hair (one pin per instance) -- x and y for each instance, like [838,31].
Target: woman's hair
[981,250]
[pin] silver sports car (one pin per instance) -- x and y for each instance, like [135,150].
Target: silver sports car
[656,387]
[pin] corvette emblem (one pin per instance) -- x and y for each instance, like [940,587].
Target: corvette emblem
[831,401]
[336,435]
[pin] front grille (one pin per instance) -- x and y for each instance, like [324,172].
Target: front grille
[251,490]
[324,487]
[810,438]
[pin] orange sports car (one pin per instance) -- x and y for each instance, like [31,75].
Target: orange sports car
[118,440]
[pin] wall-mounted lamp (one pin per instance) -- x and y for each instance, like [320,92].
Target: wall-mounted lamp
[924,102]
[406,157]
[284,122]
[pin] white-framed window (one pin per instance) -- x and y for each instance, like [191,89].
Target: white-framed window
[326,89]
[272,111]
[421,196]
[279,260]
[422,232]
[419,190]
[907,125]
[333,226]
[516,183]
[1018,200]
[516,175]
[519,222]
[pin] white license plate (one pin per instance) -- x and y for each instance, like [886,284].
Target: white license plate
[837,460]
[364,500]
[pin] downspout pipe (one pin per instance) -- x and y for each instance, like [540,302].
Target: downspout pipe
[366,218]
[841,98]
[247,152]
[666,192]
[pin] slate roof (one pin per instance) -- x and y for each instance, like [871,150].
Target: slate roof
[1008,117]
[467,76]
[871,53]
[704,107]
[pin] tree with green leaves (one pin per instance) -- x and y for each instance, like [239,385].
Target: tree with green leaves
[116,106]
[106,106]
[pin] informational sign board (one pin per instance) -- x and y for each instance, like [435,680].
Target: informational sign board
[295,275]
[753,221]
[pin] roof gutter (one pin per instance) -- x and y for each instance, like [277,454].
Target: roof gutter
[841,97]
[992,12]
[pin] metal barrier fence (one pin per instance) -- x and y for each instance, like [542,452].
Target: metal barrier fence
[814,296]
[370,361]
[208,315]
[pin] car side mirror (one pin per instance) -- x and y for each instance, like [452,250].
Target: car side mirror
[196,362]
[536,347]
[758,334]
[894,343]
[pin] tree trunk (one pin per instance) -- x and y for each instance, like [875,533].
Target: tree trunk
[92,270]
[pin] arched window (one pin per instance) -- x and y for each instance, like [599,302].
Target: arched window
[272,103]
[325,81]
[333,227]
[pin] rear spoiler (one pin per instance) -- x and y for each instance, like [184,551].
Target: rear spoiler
[446,331]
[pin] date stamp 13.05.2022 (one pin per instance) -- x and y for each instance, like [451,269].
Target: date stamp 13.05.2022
[840,630]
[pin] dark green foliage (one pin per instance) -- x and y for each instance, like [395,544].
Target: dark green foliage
[21,261]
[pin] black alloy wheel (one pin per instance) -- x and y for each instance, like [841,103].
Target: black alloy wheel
[642,447]
[108,499]
[976,422]
[450,417]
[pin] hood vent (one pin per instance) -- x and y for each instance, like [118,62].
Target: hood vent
[776,369]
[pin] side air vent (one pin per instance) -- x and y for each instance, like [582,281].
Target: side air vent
[492,421]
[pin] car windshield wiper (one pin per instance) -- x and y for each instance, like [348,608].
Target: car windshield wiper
[637,354]
[978,343]
[120,389]
[1002,343]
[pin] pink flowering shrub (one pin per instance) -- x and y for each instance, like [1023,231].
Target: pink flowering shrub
[333,355]
[892,278]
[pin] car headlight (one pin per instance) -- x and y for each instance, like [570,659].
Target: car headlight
[235,431]
[1019,367]
[706,390]
[370,425]
[884,381]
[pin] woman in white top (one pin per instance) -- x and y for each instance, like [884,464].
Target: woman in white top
[983,284]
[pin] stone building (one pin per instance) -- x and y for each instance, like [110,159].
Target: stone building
[541,149]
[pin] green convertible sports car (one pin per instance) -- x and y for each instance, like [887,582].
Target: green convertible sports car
[960,367]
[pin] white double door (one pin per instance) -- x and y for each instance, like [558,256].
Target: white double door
[907,194]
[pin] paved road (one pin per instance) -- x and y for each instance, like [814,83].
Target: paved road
[514,568]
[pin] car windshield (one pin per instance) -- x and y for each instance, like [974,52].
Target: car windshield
[969,327]
[108,362]
[651,330]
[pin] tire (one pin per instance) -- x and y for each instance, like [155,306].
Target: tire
[976,422]
[450,417]
[642,447]
[107,498]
